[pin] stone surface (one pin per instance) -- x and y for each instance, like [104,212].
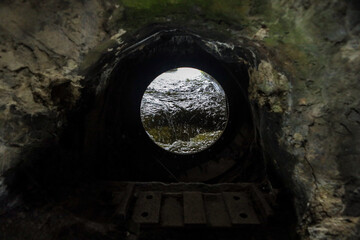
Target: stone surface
[41,46]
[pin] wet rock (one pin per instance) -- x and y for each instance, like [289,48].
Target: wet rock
[335,228]
[269,87]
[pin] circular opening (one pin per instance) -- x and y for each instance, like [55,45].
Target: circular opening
[149,197]
[184,110]
[144,214]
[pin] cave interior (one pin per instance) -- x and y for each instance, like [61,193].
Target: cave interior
[78,164]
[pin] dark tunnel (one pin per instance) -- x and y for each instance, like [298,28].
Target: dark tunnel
[77,160]
[116,135]
[105,140]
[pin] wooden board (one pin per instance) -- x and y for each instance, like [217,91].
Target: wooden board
[194,212]
[172,211]
[216,212]
[147,207]
[239,208]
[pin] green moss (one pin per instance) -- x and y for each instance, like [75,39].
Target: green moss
[260,8]
[139,4]
[195,144]
[142,12]
[276,108]
[161,134]
[207,136]
[231,10]
[297,38]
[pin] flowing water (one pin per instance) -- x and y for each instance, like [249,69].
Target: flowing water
[184,110]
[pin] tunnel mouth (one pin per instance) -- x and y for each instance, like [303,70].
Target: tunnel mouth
[184,110]
[115,134]
[114,144]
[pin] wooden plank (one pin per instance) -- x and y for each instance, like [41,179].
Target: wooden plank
[122,200]
[239,208]
[147,208]
[216,212]
[194,212]
[172,211]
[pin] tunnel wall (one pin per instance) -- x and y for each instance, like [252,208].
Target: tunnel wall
[303,84]
[115,132]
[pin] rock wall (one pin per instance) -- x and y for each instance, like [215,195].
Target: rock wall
[304,86]
[42,43]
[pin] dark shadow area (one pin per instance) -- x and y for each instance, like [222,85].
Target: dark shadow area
[114,132]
